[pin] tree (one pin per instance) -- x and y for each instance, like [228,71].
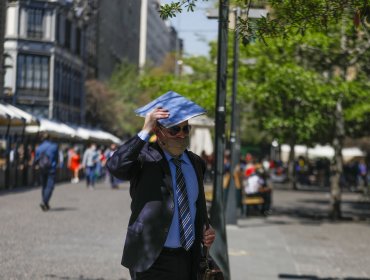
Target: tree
[286,100]
[351,42]
[338,95]
[198,84]
[284,16]
[111,104]
[287,18]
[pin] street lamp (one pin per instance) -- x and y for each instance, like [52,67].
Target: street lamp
[219,249]
[231,217]
[231,207]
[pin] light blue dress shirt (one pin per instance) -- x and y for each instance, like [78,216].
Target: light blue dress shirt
[173,237]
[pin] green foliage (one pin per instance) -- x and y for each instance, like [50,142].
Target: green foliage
[198,85]
[287,16]
[111,104]
[289,93]
[357,107]
[296,83]
[285,98]
[170,10]
[125,82]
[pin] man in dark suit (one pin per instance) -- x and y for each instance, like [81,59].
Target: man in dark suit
[167,223]
[47,159]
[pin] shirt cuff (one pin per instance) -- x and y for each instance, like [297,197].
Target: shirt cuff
[144,135]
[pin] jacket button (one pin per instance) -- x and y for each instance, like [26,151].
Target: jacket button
[165,229]
[172,205]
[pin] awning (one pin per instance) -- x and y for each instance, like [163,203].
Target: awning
[321,151]
[104,136]
[18,118]
[7,114]
[30,119]
[83,133]
[55,129]
[11,122]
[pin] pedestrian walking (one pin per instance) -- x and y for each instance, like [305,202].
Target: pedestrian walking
[89,163]
[100,165]
[74,164]
[46,159]
[114,182]
[167,224]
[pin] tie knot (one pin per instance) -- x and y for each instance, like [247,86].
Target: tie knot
[177,162]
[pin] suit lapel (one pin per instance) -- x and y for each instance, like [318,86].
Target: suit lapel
[161,158]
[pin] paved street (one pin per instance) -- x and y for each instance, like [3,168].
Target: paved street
[82,237]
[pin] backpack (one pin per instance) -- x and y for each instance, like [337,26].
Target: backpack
[44,162]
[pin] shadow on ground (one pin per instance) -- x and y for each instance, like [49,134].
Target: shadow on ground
[81,277]
[59,209]
[312,277]
[351,212]
[313,212]
[17,190]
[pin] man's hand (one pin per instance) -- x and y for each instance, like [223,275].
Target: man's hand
[152,118]
[209,236]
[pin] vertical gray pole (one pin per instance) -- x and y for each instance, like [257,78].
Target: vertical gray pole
[231,197]
[219,249]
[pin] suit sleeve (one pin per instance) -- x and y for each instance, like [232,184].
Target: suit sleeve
[125,163]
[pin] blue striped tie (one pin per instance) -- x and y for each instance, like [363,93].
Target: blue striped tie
[186,228]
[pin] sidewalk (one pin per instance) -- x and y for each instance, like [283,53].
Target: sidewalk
[82,237]
[299,242]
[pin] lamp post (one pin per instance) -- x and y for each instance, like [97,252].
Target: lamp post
[219,249]
[231,206]
[231,217]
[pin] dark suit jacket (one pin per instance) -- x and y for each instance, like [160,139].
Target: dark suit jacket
[152,206]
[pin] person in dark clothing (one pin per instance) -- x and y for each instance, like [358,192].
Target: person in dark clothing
[167,222]
[47,159]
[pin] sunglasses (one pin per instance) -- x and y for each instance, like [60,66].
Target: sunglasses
[174,130]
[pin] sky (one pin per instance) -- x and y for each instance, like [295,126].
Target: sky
[195,29]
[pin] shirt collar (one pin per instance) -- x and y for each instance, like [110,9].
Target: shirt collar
[184,157]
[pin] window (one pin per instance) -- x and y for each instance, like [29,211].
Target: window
[78,41]
[33,72]
[35,23]
[57,34]
[68,31]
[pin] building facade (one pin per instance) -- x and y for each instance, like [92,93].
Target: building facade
[157,38]
[118,33]
[45,59]
[132,32]
[52,46]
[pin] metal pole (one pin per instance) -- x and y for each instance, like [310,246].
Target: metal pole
[231,217]
[219,249]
